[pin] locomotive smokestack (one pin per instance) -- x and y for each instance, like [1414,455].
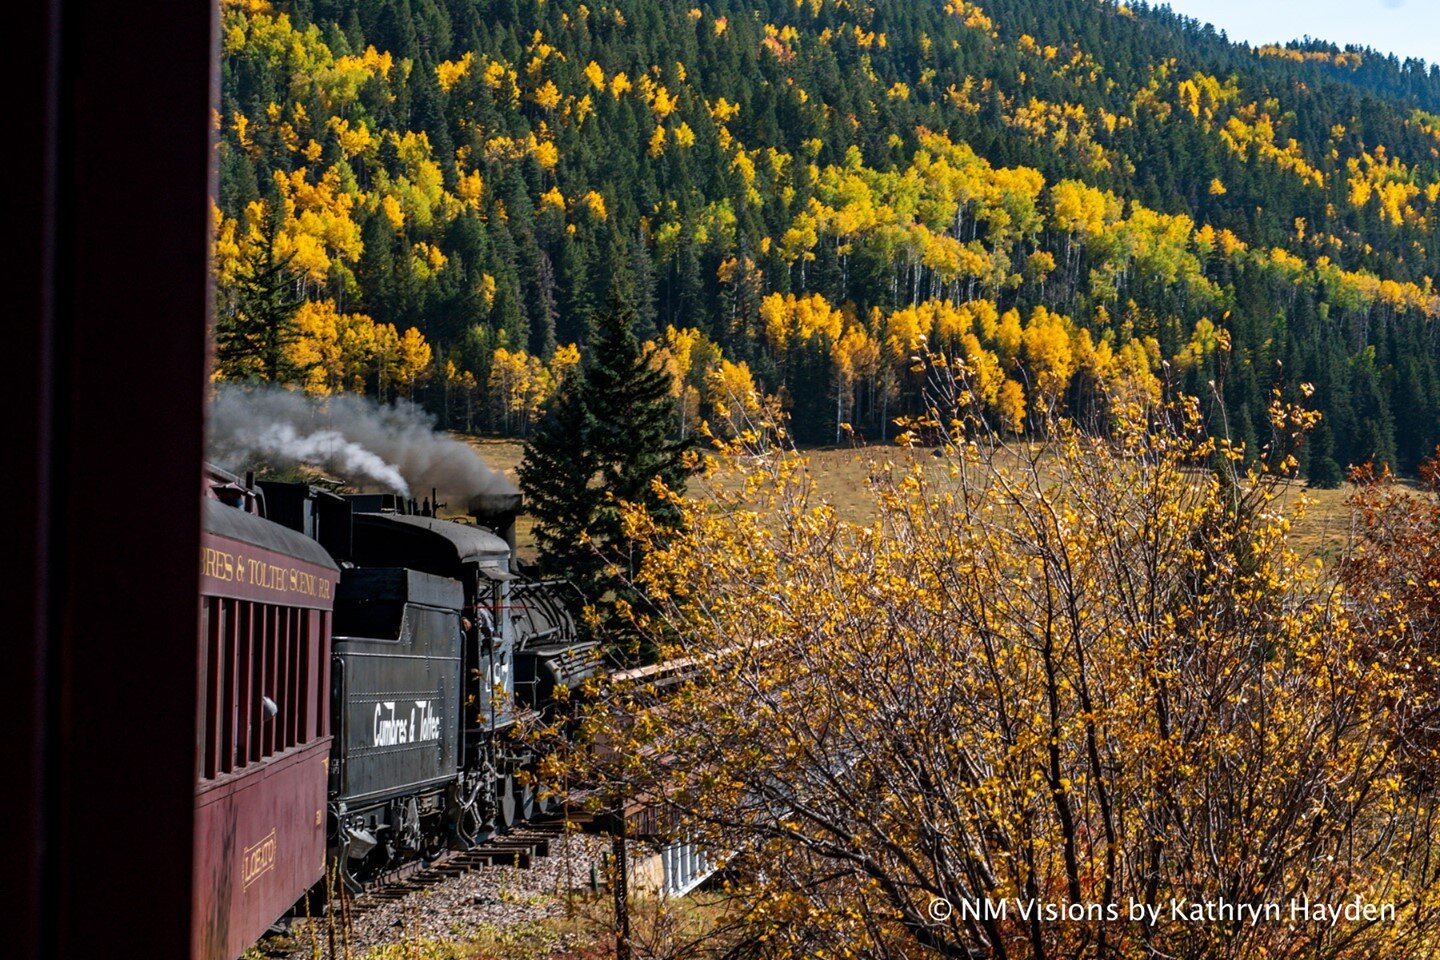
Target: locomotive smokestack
[498,512]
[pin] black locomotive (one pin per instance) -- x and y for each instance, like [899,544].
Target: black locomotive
[441,649]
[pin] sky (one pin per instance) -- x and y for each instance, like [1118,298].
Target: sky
[1406,28]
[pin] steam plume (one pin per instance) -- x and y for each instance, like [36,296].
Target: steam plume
[393,448]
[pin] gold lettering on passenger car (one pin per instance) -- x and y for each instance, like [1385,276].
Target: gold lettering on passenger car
[258,859]
[226,567]
[217,564]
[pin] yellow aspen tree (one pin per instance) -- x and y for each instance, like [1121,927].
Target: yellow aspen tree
[316,349]
[1048,357]
[412,361]
[734,397]
[508,386]
[1010,407]
[564,361]
[855,358]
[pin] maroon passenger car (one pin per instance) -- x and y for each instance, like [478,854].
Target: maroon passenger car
[266,595]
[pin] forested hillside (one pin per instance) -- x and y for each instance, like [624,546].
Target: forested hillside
[429,197]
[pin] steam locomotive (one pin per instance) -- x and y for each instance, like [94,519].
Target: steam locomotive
[367,665]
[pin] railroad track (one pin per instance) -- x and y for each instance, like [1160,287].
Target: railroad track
[519,847]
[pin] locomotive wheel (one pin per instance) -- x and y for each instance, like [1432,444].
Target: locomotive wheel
[409,835]
[505,800]
[435,844]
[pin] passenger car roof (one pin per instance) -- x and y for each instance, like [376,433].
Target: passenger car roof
[227,521]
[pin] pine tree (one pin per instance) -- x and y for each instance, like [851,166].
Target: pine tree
[604,440]
[251,339]
[557,475]
[1321,471]
[574,306]
[632,419]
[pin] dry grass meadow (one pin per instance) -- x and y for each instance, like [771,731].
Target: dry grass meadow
[842,476]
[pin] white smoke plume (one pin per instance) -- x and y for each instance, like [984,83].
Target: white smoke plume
[375,447]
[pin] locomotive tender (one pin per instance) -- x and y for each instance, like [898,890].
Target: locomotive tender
[398,653]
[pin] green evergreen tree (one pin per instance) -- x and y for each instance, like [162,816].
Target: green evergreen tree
[558,477]
[574,306]
[1321,470]
[632,419]
[250,340]
[605,440]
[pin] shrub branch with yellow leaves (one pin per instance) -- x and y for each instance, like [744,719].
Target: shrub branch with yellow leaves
[1080,669]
